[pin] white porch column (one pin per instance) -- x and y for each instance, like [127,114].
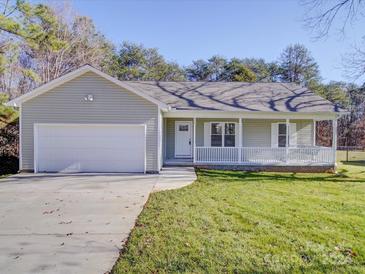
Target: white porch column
[240,132]
[240,140]
[287,140]
[165,138]
[334,139]
[194,137]
[314,132]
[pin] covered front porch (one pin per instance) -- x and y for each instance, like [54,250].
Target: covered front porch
[245,141]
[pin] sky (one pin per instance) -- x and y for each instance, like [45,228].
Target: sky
[185,30]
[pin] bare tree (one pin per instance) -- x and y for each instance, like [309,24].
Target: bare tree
[82,44]
[321,17]
[321,14]
[354,63]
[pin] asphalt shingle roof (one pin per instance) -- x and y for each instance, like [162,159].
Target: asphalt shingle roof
[235,96]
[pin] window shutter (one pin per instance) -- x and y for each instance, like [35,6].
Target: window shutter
[293,135]
[207,134]
[274,134]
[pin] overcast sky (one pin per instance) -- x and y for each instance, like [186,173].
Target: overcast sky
[187,30]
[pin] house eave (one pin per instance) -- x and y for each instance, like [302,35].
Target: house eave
[175,113]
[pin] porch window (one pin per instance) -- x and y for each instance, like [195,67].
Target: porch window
[223,135]
[279,133]
[229,134]
[282,135]
[216,135]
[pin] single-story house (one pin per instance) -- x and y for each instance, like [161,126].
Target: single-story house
[88,121]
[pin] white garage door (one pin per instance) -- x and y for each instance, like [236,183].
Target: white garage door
[89,148]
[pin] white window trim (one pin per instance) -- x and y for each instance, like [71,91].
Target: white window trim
[286,133]
[223,132]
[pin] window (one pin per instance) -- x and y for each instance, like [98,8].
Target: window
[223,134]
[183,127]
[229,135]
[216,135]
[282,135]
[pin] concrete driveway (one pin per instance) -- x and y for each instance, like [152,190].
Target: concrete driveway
[53,223]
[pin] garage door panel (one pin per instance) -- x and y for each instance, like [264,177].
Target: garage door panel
[111,144]
[79,155]
[86,166]
[90,148]
[83,155]
[93,131]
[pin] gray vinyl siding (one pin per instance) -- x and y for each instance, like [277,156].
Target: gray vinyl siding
[257,132]
[111,105]
[305,133]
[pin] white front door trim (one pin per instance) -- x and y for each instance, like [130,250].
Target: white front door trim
[178,143]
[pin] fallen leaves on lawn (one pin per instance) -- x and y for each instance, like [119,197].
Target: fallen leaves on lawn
[64,223]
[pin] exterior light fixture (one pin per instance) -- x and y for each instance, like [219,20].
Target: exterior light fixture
[89,98]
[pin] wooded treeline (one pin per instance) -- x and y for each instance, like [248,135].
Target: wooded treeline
[39,43]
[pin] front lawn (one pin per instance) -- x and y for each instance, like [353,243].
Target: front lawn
[356,155]
[239,222]
[3,176]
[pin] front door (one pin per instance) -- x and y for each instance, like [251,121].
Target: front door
[183,139]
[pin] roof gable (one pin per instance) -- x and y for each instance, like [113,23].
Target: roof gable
[73,75]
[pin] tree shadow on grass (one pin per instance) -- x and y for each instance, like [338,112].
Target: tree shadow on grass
[354,163]
[249,176]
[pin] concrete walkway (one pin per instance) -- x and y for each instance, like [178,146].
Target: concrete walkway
[174,177]
[53,223]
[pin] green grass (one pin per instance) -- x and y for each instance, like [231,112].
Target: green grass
[6,119]
[243,222]
[3,176]
[353,155]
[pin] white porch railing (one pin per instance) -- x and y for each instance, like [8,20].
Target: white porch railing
[265,155]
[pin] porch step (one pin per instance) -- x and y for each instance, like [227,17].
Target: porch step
[178,162]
